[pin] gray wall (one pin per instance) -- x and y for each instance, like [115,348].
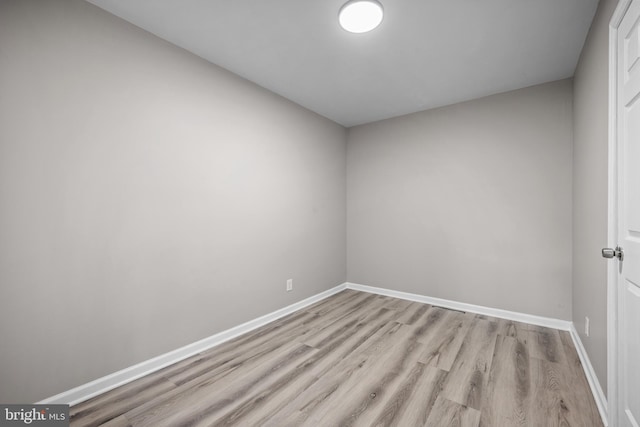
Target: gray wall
[470,202]
[147,198]
[591,92]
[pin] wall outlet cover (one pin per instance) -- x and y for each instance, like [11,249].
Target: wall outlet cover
[586,326]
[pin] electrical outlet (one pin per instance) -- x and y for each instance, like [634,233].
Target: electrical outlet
[586,326]
[289,285]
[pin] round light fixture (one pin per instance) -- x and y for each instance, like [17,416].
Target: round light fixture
[360,16]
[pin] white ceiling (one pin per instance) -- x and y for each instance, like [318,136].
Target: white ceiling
[425,54]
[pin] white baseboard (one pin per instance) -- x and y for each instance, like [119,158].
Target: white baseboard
[564,325]
[596,389]
[117,379]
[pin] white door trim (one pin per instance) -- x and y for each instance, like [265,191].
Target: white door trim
[612,214]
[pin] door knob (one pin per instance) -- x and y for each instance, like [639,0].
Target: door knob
[613,253]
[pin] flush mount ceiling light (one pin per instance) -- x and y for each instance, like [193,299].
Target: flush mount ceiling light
[360,16]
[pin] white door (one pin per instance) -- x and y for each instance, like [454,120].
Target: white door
[628,217]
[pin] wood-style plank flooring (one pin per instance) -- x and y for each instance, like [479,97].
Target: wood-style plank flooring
[358,359]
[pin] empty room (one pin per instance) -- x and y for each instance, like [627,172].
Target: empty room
[320,213]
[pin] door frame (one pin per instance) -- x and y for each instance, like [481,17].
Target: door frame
[612,216]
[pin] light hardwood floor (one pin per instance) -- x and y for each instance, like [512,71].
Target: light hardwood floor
[358,359]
